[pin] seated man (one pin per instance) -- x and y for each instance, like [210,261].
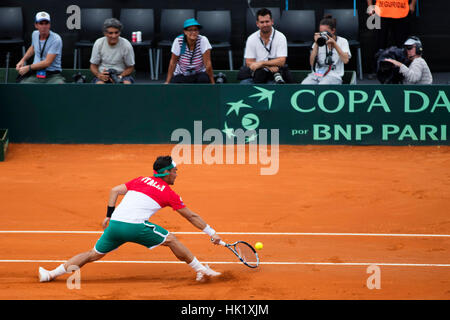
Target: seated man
[46,46]
[328,55]
[418,71]
[112,58]
[265,53]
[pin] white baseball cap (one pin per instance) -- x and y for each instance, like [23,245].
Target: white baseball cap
[412,41]
[40,16]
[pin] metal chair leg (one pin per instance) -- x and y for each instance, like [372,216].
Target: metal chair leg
[230,59]
[79,58]
[150,54]
[7,67]
[75,59]
[360,64]
[161,61]
[158,54]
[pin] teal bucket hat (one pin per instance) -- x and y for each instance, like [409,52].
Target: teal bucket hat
[191,22]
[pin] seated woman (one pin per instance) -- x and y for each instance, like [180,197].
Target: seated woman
[191,56]
[418,71]
[329,54]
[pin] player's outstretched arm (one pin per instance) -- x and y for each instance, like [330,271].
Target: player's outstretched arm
[199,223]
[113,195]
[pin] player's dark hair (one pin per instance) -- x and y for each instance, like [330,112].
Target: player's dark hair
[263,12]
[328,20]
[162,162]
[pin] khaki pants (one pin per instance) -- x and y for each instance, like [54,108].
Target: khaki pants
[328,79]
[50,79]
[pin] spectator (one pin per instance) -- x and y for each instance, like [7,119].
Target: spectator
[191,56]
[265,53]
[329,54]
[394,19]
[46,46]
[418,71]
[112,58]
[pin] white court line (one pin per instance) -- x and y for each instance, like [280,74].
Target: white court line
[251,233]
[262,263]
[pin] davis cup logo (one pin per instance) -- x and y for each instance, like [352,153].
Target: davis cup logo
[239,141]
[241,114]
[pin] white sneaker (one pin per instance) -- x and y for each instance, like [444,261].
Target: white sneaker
[44,275]
[203,275]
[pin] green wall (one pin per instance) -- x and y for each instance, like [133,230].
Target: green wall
[149,113]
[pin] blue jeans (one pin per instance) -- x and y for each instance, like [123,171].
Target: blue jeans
[201,77]
[250,81]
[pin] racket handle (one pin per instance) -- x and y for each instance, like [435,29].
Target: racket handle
[222,243]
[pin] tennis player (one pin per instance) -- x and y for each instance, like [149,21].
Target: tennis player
[144,196]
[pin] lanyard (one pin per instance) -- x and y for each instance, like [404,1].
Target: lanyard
[41,50]
[328,54]
[271,42]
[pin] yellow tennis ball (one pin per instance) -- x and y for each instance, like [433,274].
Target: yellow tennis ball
[258,245]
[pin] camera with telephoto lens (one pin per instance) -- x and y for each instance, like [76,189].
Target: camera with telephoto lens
[388,73]
[278,78]
[323,38]
[220,78]
[114,75]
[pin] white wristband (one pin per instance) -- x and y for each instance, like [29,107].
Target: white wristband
[209,231]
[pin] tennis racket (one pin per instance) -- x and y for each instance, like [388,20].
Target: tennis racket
[245,252]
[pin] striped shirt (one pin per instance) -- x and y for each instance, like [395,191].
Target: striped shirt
[190,59]
[418,72]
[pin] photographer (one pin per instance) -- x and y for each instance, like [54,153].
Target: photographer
[329,54]
[112,58]
[418,71]
[191,56]
[265,53]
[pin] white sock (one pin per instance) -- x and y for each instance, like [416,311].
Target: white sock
[58,271]
[196,265]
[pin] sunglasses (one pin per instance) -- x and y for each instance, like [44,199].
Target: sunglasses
[43,22]
[409,47]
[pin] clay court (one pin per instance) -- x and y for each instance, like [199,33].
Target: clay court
[329,213]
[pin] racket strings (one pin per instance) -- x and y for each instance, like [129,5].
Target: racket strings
[247,254]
